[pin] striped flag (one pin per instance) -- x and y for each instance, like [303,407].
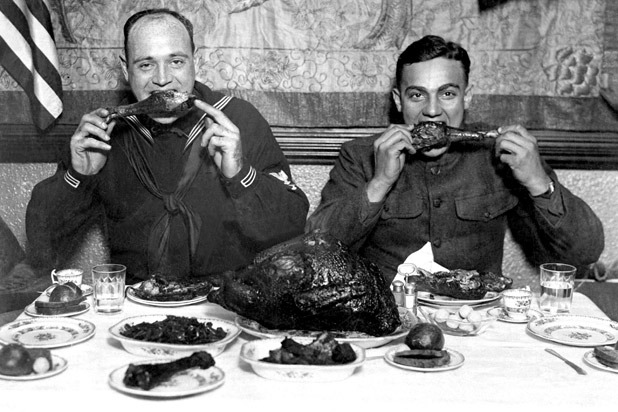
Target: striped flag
[28,54]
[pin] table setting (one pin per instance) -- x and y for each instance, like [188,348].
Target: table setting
[498,355]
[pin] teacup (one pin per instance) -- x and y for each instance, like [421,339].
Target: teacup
[67,275]
[517,303]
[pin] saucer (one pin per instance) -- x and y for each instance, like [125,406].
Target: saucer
[502,316]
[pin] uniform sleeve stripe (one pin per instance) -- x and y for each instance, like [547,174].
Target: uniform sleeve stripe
[73,182]
[249,178]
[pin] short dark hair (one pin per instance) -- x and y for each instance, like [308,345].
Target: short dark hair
[431,47]
[150,12]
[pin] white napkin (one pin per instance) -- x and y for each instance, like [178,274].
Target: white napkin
[422,258]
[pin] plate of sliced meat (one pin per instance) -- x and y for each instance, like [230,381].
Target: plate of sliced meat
[161,292]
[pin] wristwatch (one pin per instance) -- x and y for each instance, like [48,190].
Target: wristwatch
[549,191]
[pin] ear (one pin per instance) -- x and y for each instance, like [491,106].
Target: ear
[468,96]
[396,98]
[123,65]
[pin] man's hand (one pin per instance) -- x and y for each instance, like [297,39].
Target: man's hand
[389,151]
[88,148]
[222,138]
[516,147]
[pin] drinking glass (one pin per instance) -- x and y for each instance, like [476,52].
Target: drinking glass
[557,280]
[108,288]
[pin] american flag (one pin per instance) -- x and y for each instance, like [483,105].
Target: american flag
[28,54]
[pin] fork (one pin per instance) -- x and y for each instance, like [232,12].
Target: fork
[568,362]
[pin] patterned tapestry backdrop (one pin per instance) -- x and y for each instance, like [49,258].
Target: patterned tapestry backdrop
[547,48]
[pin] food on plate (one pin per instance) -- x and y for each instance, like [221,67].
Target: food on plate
[426,343]
[16,360]
[176,330]
[607,356]
[312,282]
[461,284]
[65,298]
[159,289]
[147,376]
[429,135]
[425,336]
[324,350]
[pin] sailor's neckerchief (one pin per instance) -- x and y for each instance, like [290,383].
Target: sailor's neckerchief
[158,240]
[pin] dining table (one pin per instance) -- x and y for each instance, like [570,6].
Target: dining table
[504,368]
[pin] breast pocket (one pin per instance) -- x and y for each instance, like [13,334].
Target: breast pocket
[484,208]
[402,205]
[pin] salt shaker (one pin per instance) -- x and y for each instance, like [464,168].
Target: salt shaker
[410,297]
[398,293]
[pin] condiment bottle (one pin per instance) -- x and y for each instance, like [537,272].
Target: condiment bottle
[398,293]
[410,297]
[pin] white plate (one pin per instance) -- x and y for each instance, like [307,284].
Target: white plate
[439,300]
[48,332]
[591,360]
[163,304]
[59,365]
[502,316]
[171,350]
[363,340]
[86,289]
[188,382]
[575,330]
[457,359]
[251,352]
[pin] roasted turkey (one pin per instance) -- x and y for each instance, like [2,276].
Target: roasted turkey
[312,282]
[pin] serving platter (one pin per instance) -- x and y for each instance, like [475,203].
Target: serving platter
[172,350]
[252,351]
[162,304]
[48,332]
[186,383]
[575,330]
[457,360]
[592,360]
[431,299]
[59,365]
[363,340]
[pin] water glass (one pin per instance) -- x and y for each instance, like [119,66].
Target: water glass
[108,288]
[557,281]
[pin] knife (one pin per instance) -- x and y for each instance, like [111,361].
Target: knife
[568,362]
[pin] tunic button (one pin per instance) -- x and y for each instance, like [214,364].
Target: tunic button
[487,215]
[437,202]
[437,243]
[435,170]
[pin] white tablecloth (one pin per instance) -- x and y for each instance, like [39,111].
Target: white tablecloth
[505,368]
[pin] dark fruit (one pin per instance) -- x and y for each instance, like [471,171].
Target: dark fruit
[15,360]
[65,293]
[425,336]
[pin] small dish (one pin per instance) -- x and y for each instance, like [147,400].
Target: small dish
[163,304]
[185,383]
[48,332]
[251,352]
[502,316]
[457,359]
[31,311]
[59,365]
[434,299]
[86,289]
[455,325]
[591,360]
[172,350]
[363,340]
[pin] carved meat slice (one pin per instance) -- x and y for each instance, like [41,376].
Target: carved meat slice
[312,282]
[462,284]
[160,103]
[429,135]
